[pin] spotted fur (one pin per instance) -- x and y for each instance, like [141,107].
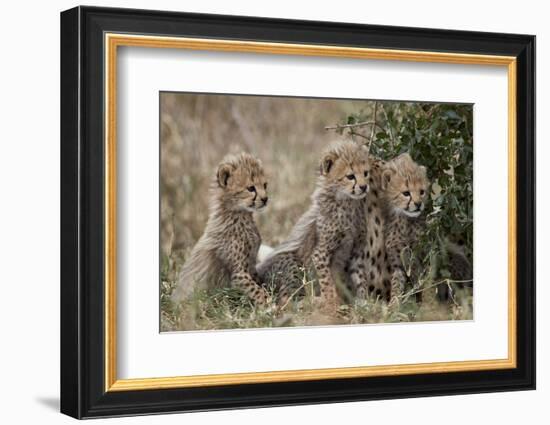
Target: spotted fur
[377,273]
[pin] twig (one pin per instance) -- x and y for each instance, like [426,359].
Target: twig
[446,281]
[351,128]
[359,124]
[451,294]
[373,127]
[303,285]
[354,133]
[389,125]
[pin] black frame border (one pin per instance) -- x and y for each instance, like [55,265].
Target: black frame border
[82,206]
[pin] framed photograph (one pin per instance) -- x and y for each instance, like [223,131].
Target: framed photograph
[261,212]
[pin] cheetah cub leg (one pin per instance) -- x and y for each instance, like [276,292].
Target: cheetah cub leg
[242,280]
[244,277]
[397,286]
[356,268]
[398,279]
[321,263]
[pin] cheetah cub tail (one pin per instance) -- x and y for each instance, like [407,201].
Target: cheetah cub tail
[263,253]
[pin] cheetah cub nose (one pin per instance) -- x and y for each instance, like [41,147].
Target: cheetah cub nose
[264,200]
[363,187]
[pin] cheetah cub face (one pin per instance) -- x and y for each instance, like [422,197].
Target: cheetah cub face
[345,167]
[242,183]
[406,185]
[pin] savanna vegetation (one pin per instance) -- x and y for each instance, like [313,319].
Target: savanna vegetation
[287,134]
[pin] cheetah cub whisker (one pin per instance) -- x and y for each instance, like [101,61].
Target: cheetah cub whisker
[329,237]
[226,253]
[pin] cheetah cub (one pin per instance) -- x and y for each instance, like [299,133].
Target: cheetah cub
[329,238]
[405,189]
[226,253]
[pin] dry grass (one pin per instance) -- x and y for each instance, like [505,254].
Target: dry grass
[287,134]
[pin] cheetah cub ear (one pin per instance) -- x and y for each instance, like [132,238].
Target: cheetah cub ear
[423,171]
[224,172]
[327,162]
[387,175]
